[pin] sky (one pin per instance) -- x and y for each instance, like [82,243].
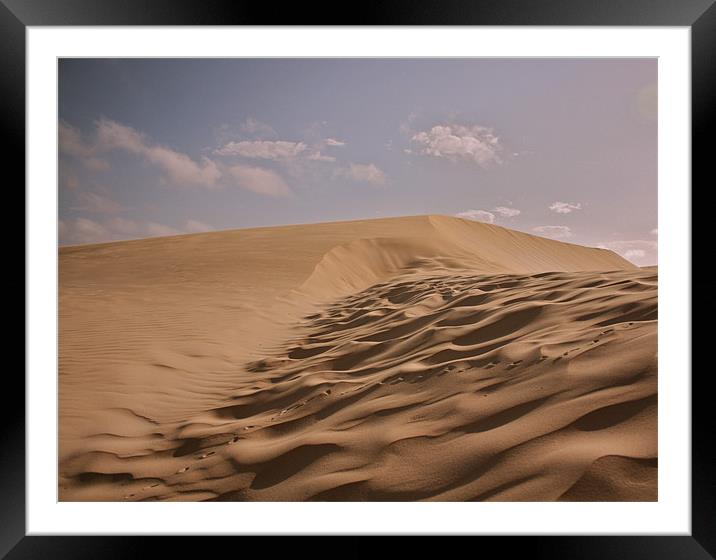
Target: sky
[561,148]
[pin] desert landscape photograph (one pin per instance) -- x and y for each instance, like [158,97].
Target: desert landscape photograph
[347,279]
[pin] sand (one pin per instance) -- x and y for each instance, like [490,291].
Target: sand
[416,358]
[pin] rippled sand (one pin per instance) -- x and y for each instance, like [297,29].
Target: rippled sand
[421,358]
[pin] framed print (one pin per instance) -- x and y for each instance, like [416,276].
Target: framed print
[292,274]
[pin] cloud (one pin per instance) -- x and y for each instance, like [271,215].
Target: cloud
[655,231]
[114,136]
[68,177]
[84,230]
[406,126]
[179,168]
[153,229]
[564,207]
[260,180]
[364,173]
[478,216]
[97,203]
[263,149]
[333,142]
[506,212]
[195,226]
[635,254]
[318,156]
[257,128]
[477,144]
[555,232]
[633,249]
[71,143]
[489,217]
[123,227]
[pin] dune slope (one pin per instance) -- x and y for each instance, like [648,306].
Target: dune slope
[399,359]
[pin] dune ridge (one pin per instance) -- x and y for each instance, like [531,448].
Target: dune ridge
[418,358]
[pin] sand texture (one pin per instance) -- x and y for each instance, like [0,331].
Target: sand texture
[416,358]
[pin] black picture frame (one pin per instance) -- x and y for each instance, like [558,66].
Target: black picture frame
[699,15]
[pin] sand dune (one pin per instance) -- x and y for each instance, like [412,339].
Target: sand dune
[409,358]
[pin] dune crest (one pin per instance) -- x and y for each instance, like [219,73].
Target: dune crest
[418,358]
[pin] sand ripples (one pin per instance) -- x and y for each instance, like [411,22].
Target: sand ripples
[442,385]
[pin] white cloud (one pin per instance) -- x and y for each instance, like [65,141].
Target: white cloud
[635,254]
[259,180]
[506,212]
[633,249]
[124,227]
[114,136]
[478,216]
[318,156]
[195,226]
[406,126]
[178,168]
[263,149]
[72,143]
[67,177]
[181,169]
[97,203]
[83,230]
[565,207]
[257,128]
[333,142]
[472,143]
[555,232]
[154,229]
[364,173]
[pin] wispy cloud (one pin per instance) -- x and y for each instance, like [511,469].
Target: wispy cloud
[333,142]
[507,212]
[263,149]
[84,230]
[364,173]
[635,250]
[97,203]
[477,144]
[254,127]
[72,143]
[318,156]
[195,226]
[68,178]
[555,232]
[478,216]
[178,168]
[565,207]
[260,180]
[635,254]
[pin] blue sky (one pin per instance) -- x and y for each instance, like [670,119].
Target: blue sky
[564,148]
